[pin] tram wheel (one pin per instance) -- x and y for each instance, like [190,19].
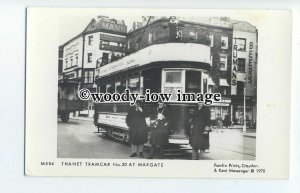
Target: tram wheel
[64,117]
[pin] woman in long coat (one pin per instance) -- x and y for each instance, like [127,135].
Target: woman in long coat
[159,135]
[136,121]
[200,124]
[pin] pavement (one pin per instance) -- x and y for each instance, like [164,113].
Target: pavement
[77,139]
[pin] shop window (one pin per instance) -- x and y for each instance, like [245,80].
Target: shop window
[241,62]
[224,91]
[134,85]
[90,57]
[211,38]
[193,82]
[223,63]
[224,42]
[210,89]
[241,44]
[90,40]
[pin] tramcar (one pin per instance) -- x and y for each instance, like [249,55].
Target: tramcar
[166,64]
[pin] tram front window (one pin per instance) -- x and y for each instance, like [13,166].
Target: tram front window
[173,77]
[193,82]
[173,81]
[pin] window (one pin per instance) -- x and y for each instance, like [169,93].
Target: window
[90,57]
[76,59]
[110,88]
[240,88]
[193,81]
[105,58]
[211,38]
[193,35]
[173,81]
[241,64]
[224,42]
[66,61]
[71,61]
[89,76]
[90,41]
[150,38]
[120,86]
[173,77]
[241,44]
[223,63]
[134,85]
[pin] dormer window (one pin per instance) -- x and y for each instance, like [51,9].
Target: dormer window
[113,21]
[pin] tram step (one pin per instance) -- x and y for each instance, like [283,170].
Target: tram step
[118,136]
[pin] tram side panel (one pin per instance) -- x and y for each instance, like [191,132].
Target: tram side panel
[111,118]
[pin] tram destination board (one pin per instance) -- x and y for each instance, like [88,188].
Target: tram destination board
[158,93]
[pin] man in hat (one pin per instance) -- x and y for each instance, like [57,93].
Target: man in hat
[136,121]
[159,136]
[200,128]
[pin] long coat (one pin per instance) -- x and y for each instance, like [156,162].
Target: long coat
[136,122]
[200,120]
[160,132]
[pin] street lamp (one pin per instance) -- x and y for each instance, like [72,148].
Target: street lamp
[244,126]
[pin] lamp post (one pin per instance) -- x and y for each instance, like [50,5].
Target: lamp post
[244,126]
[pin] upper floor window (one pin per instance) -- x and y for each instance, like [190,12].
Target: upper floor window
[76,59]
[89,76]
[224,42]
[66,61]
[90,57]
[223,63]
[90,40]
[71,61]
[211,38]
[241,44]
[241,62]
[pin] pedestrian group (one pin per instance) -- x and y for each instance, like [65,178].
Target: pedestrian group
[198,125]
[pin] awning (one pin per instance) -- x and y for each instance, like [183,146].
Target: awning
[210,82]
[223,82]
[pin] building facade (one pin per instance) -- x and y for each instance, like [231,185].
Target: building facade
[102,41]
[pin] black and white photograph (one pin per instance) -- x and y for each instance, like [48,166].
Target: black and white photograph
[157,93]
[168,55]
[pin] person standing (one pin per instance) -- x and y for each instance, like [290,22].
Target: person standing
[136,121]
[219,123]
[160,130]
[200,128]
[227,121]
